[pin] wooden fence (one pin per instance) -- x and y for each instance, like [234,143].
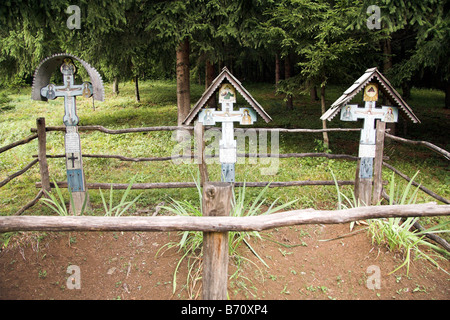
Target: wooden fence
[216,222]
[41,130]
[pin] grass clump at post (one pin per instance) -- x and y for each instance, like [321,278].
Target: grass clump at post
[191,241]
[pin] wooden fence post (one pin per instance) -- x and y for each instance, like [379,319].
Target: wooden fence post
[363,187]
[216,202]
[378,163]
[42,143]
[199,131]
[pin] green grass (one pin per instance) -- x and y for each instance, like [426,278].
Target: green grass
[158,107]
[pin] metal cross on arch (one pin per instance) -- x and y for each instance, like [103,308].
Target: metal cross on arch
[69,91]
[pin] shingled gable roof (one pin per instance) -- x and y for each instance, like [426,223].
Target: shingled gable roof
[225,75]
[370,75]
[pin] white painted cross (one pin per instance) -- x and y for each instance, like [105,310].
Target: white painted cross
[367,143]
[369,113]
[227,116]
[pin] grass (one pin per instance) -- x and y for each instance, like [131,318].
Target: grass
[398,234]
[158,107]
[191,242]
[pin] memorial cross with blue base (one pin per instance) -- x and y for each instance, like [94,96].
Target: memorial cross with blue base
[227,116]
[368,133]
[74,164]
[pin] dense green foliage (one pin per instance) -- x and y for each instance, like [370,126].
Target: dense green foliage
[327,41]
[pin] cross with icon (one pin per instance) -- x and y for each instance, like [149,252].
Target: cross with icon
[227,116]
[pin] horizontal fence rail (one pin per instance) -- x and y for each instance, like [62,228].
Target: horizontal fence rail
[19,142]
[172,128]
[217,224]
[427,144]
[160,185]
[239,155]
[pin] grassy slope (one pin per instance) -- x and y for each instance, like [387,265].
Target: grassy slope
[158,107]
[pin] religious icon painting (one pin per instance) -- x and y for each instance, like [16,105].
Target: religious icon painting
[347,113]
[391,114]
[371,92]
[68,67]
[88,91]
[248,115]
[227,93]
[206,116]
[49,92]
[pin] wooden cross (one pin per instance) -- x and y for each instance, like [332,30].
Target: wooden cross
[368,133]
[369,114]
[227,145]
[75,173]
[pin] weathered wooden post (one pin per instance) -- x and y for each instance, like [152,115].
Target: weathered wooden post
[42,154]
[216,202]
[43,90]
[199,133]
[378,163]
[372,141]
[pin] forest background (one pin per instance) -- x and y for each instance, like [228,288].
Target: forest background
[299,45]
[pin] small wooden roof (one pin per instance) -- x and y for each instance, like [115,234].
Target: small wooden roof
[371,75]
[225,75]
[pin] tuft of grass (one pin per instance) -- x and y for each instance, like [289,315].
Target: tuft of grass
[191,242]
[397,233]
[57,202]
[123,205]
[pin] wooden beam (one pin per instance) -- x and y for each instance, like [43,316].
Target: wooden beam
[246,155]
[427,144]
[162,185]
[119,131]
[216,224]
[199,131]
[18,143]
[378,162]
[426,190]
[173,128]
[30,204]
[42,154]
[18,173]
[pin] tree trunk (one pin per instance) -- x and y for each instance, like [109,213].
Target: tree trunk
[326,141]
[387,52]
[116,86]
[287,75]
[313,92]
[447,95]
[183,85]
[209,77]
[136,89]
[277,70]
[406,90]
